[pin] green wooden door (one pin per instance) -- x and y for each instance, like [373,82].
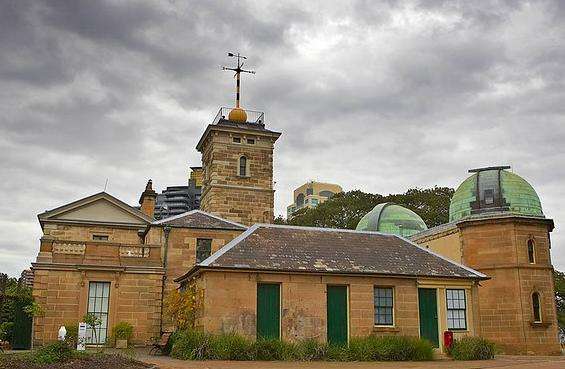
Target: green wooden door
[337,315]
[428,315]
[268,311]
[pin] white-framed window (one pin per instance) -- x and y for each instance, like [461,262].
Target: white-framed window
[456,309]
[531,251]
[536,306]
[384,305]
[98,304]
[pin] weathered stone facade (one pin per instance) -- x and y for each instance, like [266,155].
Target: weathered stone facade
[497,247]
[247,198]
[139,259]
[230,303]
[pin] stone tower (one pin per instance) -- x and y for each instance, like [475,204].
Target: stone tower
[504,234]
[237,161]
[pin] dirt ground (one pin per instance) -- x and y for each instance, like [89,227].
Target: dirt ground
[503,361]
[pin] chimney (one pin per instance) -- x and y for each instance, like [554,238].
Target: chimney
[147,200]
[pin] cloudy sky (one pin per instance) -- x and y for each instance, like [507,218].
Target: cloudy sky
[377,96]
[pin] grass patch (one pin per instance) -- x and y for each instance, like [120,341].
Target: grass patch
[197,345]
[472,348]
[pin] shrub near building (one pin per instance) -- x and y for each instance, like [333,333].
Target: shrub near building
[197,345]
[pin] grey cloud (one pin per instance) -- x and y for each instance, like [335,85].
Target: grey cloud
[376,96]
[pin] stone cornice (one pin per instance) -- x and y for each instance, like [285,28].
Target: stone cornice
[99,268]
[236,187]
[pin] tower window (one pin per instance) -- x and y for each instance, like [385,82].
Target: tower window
[531,252]
[243,166]
[537,307]
[251,141]
[236,140]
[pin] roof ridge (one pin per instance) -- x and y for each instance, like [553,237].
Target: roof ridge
[210,259]
[322,229]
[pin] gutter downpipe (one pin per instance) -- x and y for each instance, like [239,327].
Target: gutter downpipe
[166,231]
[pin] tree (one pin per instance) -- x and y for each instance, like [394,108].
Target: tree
[345,210]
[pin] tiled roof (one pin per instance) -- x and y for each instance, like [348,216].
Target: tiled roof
[304,249]
[200,219]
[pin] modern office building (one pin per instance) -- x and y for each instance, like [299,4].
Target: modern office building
[310,195]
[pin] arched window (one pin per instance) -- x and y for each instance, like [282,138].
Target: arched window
[243,166]
[300,199]
[536,306]
[531,251]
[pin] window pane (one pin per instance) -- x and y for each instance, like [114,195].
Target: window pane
[456,309]
[383,300]
[203,249]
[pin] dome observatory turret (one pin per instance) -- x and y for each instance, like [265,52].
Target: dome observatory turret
[494,190]
[393,219]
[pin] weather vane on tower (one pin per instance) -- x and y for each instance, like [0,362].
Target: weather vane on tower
[237,114]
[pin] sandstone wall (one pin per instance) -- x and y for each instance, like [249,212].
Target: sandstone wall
[63,294]
[231,299]
[243,199]
[498,248]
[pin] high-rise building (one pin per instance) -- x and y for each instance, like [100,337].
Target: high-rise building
[310,195]
[176,200]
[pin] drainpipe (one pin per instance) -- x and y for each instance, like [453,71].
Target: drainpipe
[166,231]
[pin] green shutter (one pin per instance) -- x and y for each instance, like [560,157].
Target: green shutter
[428,315]
[268,311]
[337,315]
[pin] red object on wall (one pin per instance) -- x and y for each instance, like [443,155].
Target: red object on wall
[448,339]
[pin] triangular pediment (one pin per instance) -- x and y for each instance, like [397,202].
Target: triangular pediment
[99,208]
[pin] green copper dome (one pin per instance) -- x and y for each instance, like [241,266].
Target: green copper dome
[393,219]
[492,190]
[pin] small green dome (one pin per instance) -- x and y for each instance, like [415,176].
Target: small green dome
[492,190]
[393,219]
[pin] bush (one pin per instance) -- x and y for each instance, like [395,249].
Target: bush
[6,331]
[310,349]
[389,348]
[196,345]
[72,334]
[122,331]
[472,348]
[193,345]
[272,349]
[233,347]
[56,352]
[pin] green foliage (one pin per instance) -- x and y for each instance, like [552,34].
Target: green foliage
[559,281]
[197,345]
[310,350]
[472,348]
[33,309]
[122,331]
[56,352]
[345,210]
[72,334]
[6,331]
[233,347]
[270,350]
[389,348]
[193,345]
[92,321]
